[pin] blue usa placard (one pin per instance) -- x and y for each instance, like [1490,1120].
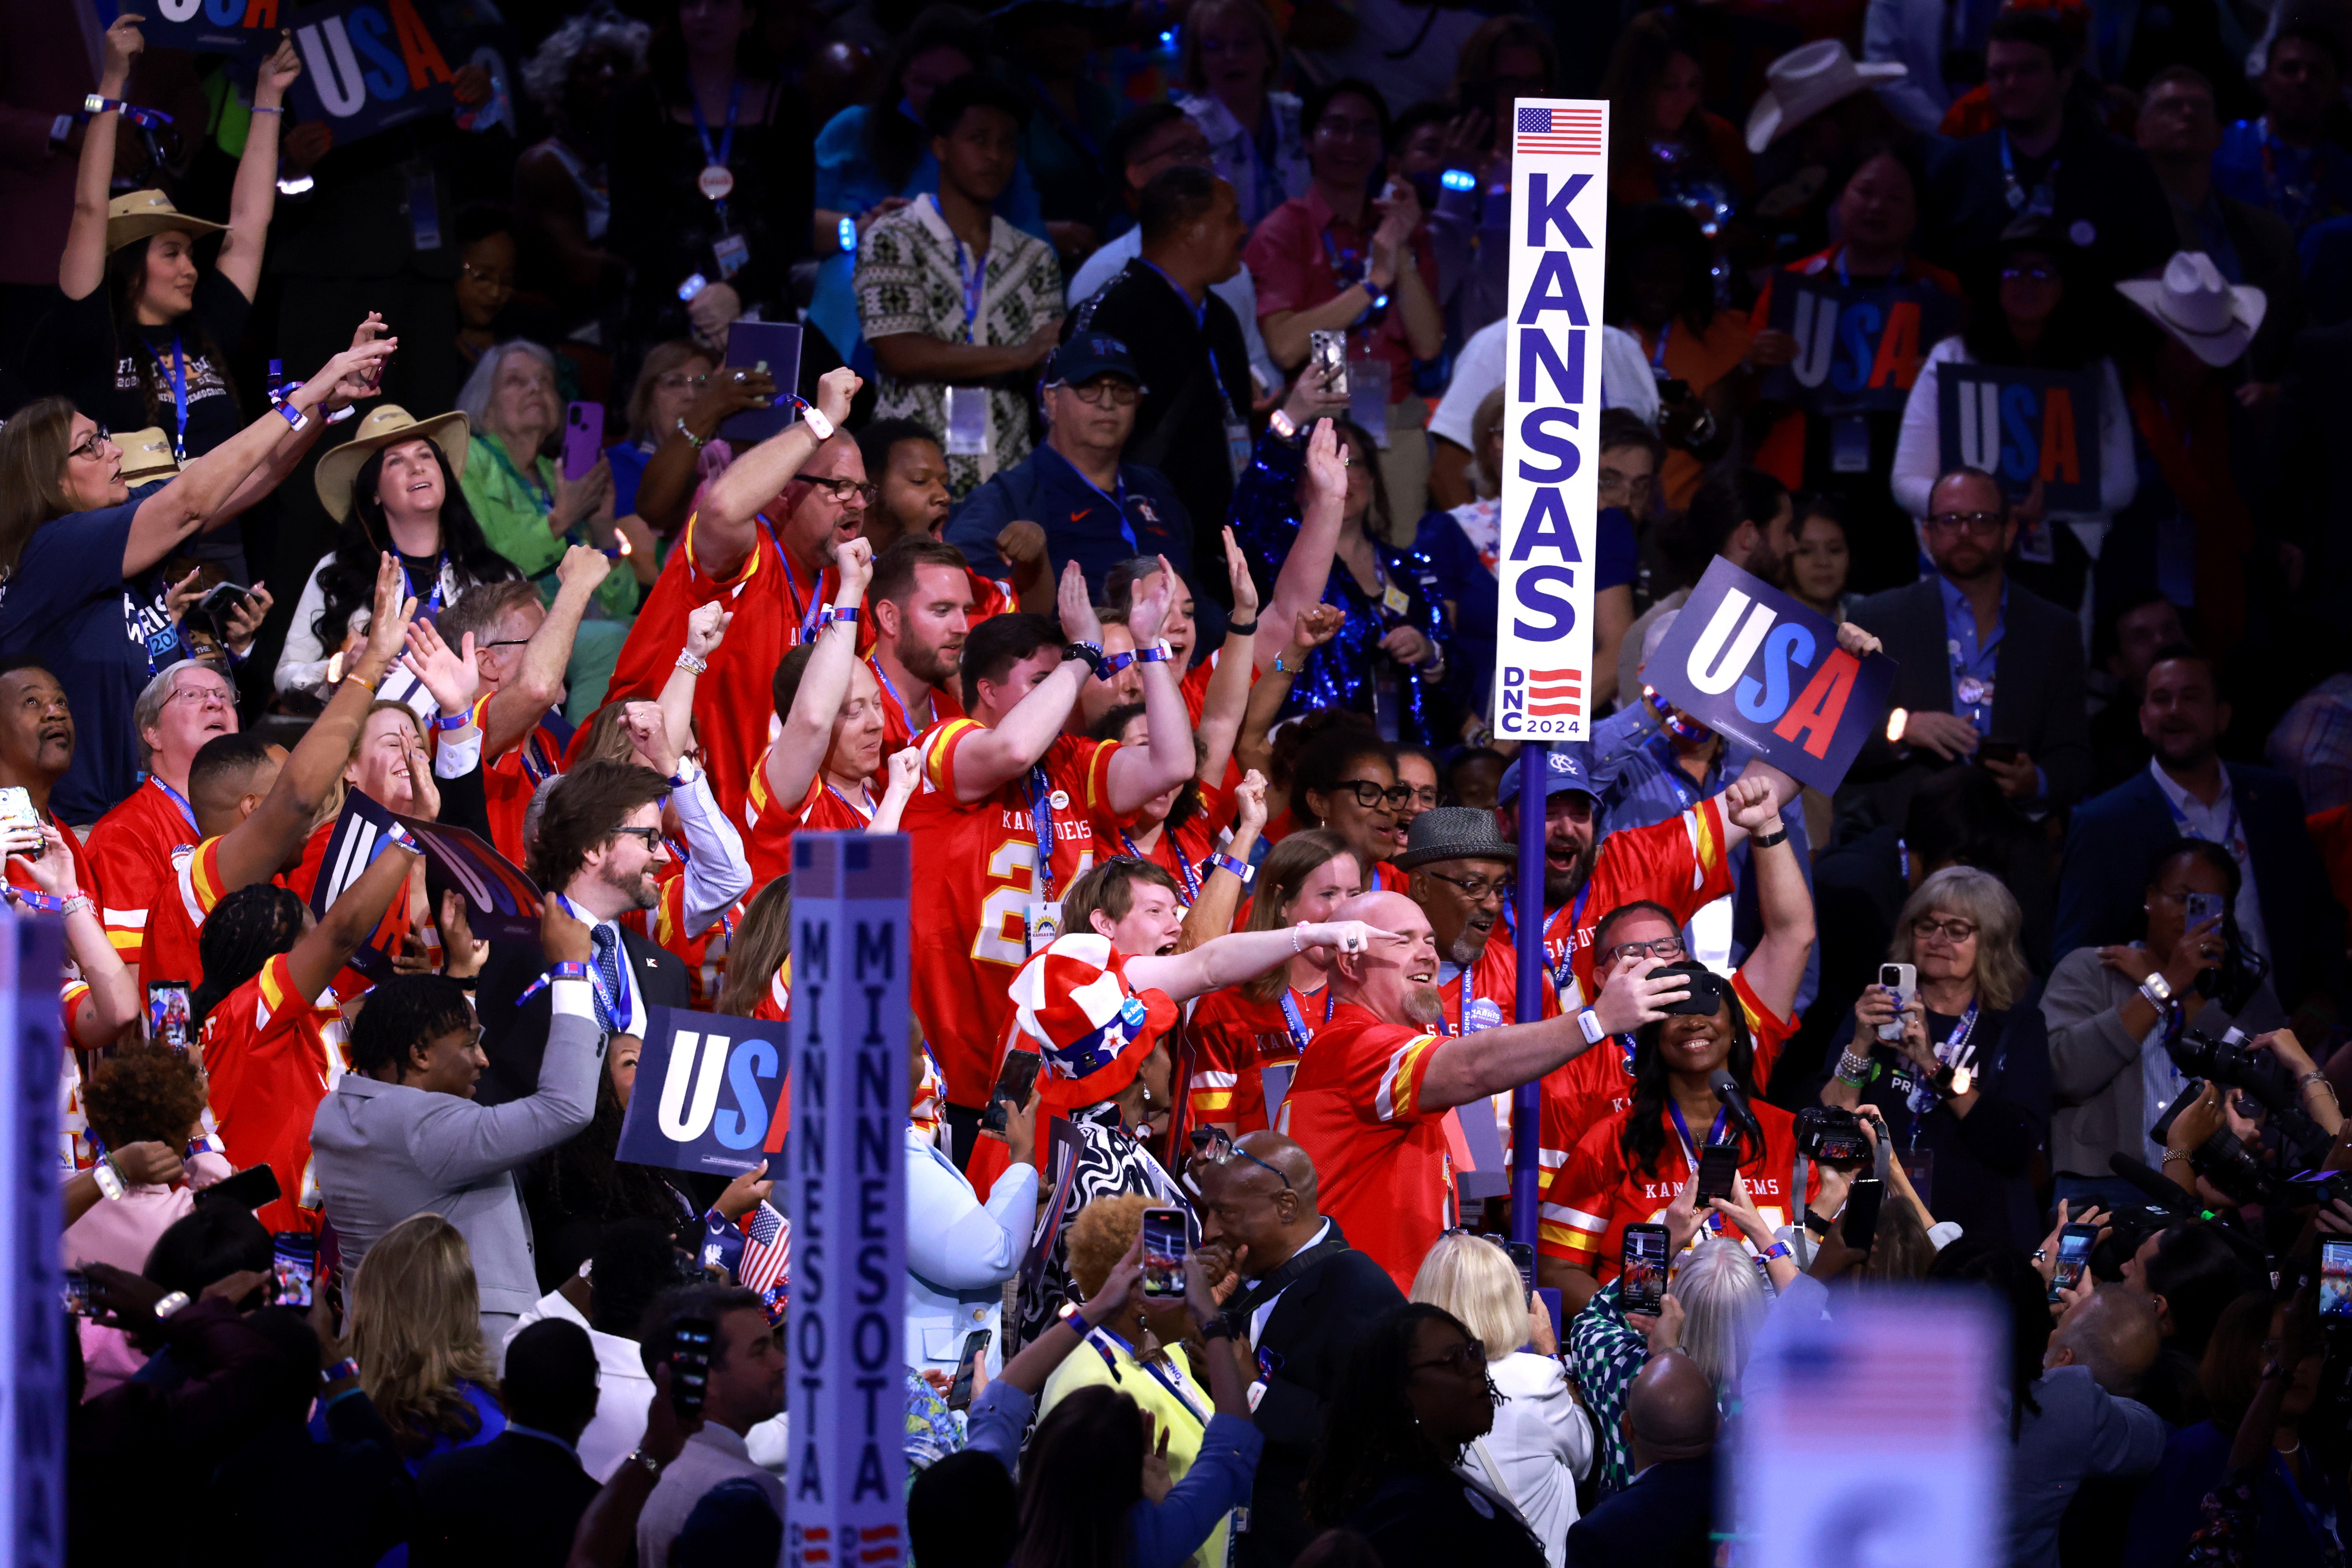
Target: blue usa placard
[2023,424]
[367,66]
[707,1086]
[1858,349]
[205,26]
[1758,667]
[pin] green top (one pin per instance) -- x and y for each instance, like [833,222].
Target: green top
[512,510]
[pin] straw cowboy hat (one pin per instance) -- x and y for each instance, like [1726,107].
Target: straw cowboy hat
[146,456]
[2197,305]
[142,212]
[388,426]
[1808,80]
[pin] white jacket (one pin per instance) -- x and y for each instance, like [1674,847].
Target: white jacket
[1541,1442]
[1919,452]
[959,1253]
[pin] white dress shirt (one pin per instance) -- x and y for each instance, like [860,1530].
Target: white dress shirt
[2219,824]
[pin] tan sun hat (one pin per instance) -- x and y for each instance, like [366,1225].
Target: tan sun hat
[146,456]
[388,426]
[142,212]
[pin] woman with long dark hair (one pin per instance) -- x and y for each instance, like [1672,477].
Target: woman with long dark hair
[1665,145]
[1661,291]
[142,335]
[394,486]
[875,157]
[1415,1397]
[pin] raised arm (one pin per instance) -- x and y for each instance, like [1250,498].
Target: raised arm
[523,701]
[723,531]
[293,445]
[1472,1066]
[1212,914]
[1135,777]
[1777,966]
[706,629]
[1229,687]
[82,266]
[323,951]
[1306,569]
[206,485]
[1243,955]
[989,757]
[255,849]
[114,995]
[255,195]
[800,749]
[717,874]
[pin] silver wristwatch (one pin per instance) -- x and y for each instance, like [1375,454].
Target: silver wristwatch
[2157,990]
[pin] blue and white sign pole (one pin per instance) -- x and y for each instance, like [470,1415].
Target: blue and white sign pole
[1551,422]
[847,1157]
[32,1284]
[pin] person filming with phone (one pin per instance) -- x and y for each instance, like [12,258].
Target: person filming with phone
[2114,1013]
[1945,1049]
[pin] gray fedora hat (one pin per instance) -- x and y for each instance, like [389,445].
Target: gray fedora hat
[1454,833]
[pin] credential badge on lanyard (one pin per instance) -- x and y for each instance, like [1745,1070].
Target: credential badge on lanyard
[968,405]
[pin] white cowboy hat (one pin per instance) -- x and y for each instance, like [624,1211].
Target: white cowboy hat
[1808,80]
[383,427]
[2193,302]
[138,214]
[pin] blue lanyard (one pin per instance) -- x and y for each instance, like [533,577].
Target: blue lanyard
[1951,1052]
[1658,354]
[1714,1133]
[432,606]
[1149,1368]
[540,496]
[865,810]
[807,612]
[2232,835]
[1846,278]
[1041,818]
[619,1008]
[2016,188]
[975,275]
[725,151]
[906,714]
[1561,972]
[1200,321]
[1183,862]
[179,374]
[1117,502]
[179,800]
[1294,1022]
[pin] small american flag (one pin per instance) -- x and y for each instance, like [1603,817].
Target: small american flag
[1559,130]
[1555,693]
[766,1249]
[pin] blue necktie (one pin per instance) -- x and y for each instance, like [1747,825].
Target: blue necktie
[608,970]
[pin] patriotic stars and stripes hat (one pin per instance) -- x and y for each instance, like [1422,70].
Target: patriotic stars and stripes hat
[1094,1030]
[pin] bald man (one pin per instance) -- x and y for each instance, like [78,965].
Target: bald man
[1368,1103]
[2084,1429]
[1306,1298]
[1665,1517]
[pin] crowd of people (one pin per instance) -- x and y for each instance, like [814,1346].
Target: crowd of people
[1071,437]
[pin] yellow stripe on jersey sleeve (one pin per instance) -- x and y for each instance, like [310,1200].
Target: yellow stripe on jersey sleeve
[1397,1097]
[935,749]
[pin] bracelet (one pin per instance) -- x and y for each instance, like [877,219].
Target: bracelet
[1217,1328]
[1816,1223]
[1767,840]
[1854,1069]
[1588,1021]
[834,615]
[454,720]
[1089,651]
[645,1462]
[819,425]
[109,1177]
[1780,1249]
[1078,1324]
[293,416]
[569,968]
[170,1304]
[342,1369]
[400,837]
[1156,654]
[693,440]
[1282,668]
[691,665]
[267,109]
[150,117]
[1299,937]
[1241,869]
[2321,1078]
[1240,628]
[686,774]
[2172,1155]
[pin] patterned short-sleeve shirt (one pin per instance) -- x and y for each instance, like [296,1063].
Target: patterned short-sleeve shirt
[909,278]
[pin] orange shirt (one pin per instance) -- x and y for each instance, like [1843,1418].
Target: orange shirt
[271,1055]
[769,824]
[1702,359]
[130,850]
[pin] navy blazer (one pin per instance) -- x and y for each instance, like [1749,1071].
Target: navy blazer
[2102,888]
[1663,1521]
[2037,679]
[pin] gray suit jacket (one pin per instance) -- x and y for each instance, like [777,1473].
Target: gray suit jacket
[2101,1102]
[382,1153]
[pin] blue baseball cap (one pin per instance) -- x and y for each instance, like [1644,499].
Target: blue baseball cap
[1089,354]
[1565,768]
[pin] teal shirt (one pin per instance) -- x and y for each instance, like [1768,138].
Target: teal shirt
[512,509]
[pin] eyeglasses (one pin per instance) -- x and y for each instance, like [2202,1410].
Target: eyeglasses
[1477,889]
[1953,931]
[1105,393]
[2028,274]
[1667,948]
[1369,793]
[1987,523]
[843,489]
[88,448]
[1214,1146]
[202,697]
[678,381]
[651,836]
[484,274]
[1425,796]
[1468,1358]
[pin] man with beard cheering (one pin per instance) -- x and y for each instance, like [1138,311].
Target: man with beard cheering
[1370,1098]
[1459,873]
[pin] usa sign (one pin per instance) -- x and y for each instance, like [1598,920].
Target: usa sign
[207,26]
[708,1088]
[1756,665]
[1560,217]
[2021,426]
[1858,349]
[368,65]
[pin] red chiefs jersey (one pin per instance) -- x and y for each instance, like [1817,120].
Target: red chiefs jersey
[1381,1165]
[1681,863]
[703,953]
[773,600]
[513,776]
[776,1006]
[1233,1041]
[769,825]
[271,1055]
[176,922]
[980,862]
[900,728]
[130,852]
[390,932]
[1601,1189]
[989,596]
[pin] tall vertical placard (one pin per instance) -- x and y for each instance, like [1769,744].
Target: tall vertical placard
[848,1038]
[1551,387]
[32,1284]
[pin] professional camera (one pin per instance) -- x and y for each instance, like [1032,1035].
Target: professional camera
[2229,1061]
[1829,1136]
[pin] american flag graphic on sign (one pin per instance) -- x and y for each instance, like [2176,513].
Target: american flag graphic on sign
[1558,131]
[766,1249]
[1555,693]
